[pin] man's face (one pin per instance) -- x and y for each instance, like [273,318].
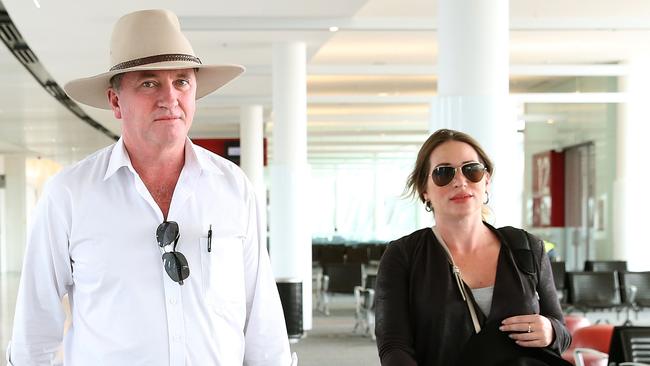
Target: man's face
[156,107]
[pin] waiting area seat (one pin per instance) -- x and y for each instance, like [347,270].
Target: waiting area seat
[590,345]
[594,291]
[365,306]
[630,346]
[341,278]
[559,279]
[605,266]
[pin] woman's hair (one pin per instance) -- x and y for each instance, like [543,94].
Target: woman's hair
[417,180]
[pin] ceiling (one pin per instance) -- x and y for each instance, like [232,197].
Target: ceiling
[368,83]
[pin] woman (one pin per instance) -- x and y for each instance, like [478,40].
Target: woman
[421,315]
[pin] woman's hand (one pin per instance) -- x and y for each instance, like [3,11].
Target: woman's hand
[529,330]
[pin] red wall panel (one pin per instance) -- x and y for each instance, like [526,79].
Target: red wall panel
[548,189]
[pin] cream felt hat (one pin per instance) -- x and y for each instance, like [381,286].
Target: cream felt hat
[149,40]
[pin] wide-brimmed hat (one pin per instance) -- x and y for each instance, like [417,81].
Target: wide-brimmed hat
[149,40]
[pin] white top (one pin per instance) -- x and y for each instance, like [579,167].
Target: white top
[93,237]
[483,298]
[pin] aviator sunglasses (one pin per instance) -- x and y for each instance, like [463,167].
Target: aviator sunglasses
[443,175]
[174,262]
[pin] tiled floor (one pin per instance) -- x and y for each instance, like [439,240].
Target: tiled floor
[330,342]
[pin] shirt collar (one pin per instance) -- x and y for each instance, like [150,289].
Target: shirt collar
[194,158]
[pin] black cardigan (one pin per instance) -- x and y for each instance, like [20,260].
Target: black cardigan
[421,318]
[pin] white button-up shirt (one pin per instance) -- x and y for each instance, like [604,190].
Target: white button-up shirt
[93,237]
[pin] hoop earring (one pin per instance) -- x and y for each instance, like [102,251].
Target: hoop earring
[487,198]
[427,206]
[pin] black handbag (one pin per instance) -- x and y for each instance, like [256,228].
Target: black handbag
[493,347]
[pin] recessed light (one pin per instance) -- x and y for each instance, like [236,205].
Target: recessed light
[38,5]
[334,29]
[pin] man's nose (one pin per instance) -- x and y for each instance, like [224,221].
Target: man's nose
[168,95]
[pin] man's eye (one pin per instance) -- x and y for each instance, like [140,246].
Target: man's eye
[183,82]
[148,84]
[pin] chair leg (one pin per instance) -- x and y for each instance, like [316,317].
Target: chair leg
[371,324]
[358,310]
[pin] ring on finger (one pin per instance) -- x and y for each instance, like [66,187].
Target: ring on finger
[530,328]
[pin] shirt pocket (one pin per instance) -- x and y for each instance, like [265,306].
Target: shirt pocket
[223,271]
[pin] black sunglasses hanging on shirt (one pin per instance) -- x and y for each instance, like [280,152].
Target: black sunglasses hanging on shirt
[174,262]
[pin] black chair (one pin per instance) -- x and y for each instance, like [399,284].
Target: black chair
[358,254]
[605,266]
[559,278]
[339,278]
[365,306]
[641,282]
[376,251]
[635,291]
[629,344]
[594,291]
[315,253]
[331,253]
[370,281]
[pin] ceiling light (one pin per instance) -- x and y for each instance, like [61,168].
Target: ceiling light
[38,5]
[550,121]
[332,29]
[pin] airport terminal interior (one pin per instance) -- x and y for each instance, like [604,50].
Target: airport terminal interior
[337,98]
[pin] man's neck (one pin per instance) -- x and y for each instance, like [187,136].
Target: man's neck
[152,161]
[159,170]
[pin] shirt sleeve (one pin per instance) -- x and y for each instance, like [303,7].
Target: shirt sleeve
[393,327]
[266,337]
[46,278]
[549,306]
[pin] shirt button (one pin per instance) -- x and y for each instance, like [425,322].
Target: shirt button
[172,301]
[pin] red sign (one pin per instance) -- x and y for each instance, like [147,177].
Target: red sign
[227,148]
[548,189]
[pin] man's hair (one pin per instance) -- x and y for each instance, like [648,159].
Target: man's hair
[116,81]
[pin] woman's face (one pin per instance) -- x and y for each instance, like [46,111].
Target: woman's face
[460,198]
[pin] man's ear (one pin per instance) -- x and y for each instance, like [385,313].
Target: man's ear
[114,102]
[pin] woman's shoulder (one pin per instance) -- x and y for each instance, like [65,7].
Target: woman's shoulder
[517,238]
[404,249]
[413,240]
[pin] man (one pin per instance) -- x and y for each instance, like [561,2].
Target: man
[155,240]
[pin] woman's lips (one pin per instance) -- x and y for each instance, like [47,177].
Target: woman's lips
[461,197]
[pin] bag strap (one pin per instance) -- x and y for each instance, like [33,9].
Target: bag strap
[518,241]
[459,282]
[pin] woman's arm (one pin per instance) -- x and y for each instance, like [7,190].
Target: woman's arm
[393,327]
[549,306]
[546,329]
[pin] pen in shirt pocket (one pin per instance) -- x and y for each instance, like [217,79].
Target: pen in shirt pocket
[210,239]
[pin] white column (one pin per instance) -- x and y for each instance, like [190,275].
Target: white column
[15,214]
[630,203]
[251,142]
[473,62]
[289,229]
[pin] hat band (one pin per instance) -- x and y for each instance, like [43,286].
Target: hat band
[154,59]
